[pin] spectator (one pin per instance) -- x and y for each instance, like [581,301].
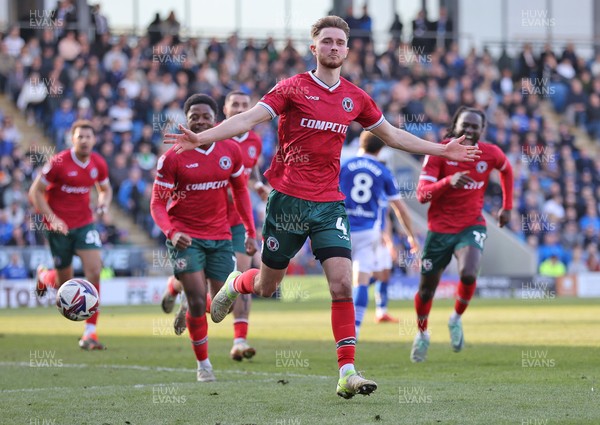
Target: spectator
[396,29]
[154,30]
[553,267]
[13,42]
[100,21]
[577,264]
[171,26]
[444,30]
[421,41]
[15,269]
[69,48]
[6,229]
[131,191]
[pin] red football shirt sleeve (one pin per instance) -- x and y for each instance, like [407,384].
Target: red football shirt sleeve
[506,179]
[370,116]
[276,100]
[163,187]
[102,171]
[430,187]
[50,171]
[240,194]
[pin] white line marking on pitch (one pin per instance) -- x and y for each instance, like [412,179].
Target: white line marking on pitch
[148,369]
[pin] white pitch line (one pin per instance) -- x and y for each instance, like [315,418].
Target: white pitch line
[148,369]
[104,387]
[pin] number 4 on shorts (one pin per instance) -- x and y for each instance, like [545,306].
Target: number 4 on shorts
[341,226]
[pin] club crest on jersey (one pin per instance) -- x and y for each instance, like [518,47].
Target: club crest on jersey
[252,152]
[94,173]
[481,166]
[347,104]
[272,243]
[160,162]
[225,162]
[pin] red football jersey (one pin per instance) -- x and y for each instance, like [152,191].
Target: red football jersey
[251,147]
[68,183]
[199,180]
[458,208]
[313,122]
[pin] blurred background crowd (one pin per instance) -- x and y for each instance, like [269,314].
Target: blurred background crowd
[537,104]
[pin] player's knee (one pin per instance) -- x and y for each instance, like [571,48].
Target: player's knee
[468,278]
[196,306]
[426,294]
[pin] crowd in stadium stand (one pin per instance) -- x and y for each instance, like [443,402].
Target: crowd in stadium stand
[133,90]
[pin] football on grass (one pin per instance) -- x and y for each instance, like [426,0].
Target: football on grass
[77,299]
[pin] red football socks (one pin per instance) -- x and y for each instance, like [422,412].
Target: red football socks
[48,278]
[94,319]
[240,328]
[464,293]
[198,329]
[244,283]
[423,310]
[344,331]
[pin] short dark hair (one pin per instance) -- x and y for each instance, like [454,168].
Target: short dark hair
[370,143]
[83,124]
[199,99]
[331,21]
[234,93]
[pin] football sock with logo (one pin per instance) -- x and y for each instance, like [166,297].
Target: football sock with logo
[361,301]
[344,333]
[198,329]
[464,293]
[244,283]
[423,310]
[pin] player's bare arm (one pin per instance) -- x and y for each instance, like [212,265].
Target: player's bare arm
[238,124]
[404,218]
[400,139]
[255,183]
[36,194]
[105,194]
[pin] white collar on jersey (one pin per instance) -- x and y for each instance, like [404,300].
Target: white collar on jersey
[77,161]
[321,83]
[241,138]
[207,151]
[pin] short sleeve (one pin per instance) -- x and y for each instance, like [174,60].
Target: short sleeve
[102,170]
[50,171]
[392,191]
[276,100]
[370,116]
[431,169]
[165,171]
[237,161]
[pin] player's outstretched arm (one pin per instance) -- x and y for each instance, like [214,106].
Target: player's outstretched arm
[400,139]
[234,126]
[38,199]
[403,217]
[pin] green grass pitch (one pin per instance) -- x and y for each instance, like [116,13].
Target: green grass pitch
[525,362]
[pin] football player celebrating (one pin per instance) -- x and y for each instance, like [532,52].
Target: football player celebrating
[61,194]
[315,109]
[250,145]
[189,204]
[455,223]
